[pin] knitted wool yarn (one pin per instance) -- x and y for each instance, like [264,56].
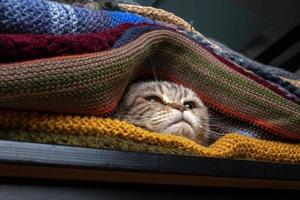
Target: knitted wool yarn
[42,16]
[109,132]
[83,86]
[267,72]
[134,32]
[83,2]
[15,47]
[92,84]
[159,15]
[236,57]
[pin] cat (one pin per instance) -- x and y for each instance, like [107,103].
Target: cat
[165,107]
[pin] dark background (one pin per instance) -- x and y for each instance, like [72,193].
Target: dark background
[45,190]
[264,30]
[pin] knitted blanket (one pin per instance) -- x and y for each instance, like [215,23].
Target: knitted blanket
[288,89]
[23,47]
[42,16]
[267,72]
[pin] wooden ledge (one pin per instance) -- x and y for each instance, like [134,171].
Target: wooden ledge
[57,162]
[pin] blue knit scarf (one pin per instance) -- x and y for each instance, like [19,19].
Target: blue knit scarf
[42,16]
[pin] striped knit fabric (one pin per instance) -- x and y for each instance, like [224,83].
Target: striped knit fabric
[92,84]
[135,32]
[267,72]
[42,16]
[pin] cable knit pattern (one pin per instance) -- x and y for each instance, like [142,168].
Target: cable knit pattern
[42,16]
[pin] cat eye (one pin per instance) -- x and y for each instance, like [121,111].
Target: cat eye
[190,104]
[154,98]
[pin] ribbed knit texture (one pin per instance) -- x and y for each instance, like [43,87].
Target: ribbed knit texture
[134,32]
[92,84]
[230,146]
[18,47]
[42,16]
[267,72]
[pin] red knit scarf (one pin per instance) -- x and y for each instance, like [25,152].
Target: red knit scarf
[20,47]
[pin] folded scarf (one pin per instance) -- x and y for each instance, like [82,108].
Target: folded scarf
[42,16]
[134,32]
[18,47]
[266,72]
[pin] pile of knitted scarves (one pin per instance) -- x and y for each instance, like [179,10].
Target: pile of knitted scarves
[64,69]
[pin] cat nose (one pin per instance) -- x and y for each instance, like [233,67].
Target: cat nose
[177,106]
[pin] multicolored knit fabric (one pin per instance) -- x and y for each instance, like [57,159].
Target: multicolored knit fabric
[92,84]
[289,90]
[20,47]
[240,59]
[266,72]
[134,32]
[42,16]
[79,90]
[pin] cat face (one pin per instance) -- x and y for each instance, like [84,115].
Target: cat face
[165,107]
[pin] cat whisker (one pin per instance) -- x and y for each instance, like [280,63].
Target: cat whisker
[158,117]
[217,118]
[209,131]
[155,75]
[217,125]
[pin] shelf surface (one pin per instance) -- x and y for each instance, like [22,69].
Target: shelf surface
[33,160]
